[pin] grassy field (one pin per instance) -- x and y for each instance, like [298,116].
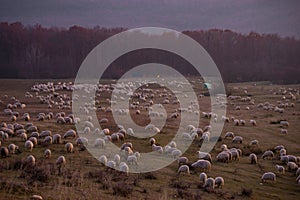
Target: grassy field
[84,177]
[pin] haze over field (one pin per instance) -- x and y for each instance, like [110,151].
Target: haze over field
[262,16]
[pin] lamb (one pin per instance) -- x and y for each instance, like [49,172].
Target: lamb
[210,183]
[70,133]
[183,169]
[203,165]
[99,142]
[253,158]
[280,169]
[268,176]
[30,160]
[29,145]
[47,153]
[268,154]
[202,178]
[182,160]
[69,147]
[291,167]
[237,139]
[4,152]
[219,182]
[229,135]
[132,159]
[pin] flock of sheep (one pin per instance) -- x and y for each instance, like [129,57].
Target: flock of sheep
[54,96]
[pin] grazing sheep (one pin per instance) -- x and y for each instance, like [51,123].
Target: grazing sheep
[12,148]
[243,122]
[176,153]
[60,120]
[137,154]
[117,159]
[268,176]
[47,140]
[156,148]
[280,169]
[282,152]
[45,134]
[298,172]
[70,133]
[284,131]
[103,159]
[172,144]
[237,140]
[36,197]
[202,178]
[126,144]
[100,143]
[210,183]
[182,160]
[123,167]
[29,145]
[284,124]
[47,153]
[253,143]
[69,147]
[253,122]
[229,135]
[253,158]
[4,152]
[268,154]
[235,154]
[60,161]
[23,136]
[30,160]
[224,147]
[236,122]
[82,141]
[203,165]
[183,169]
[132,159]
[279,147]
[111,164]
[205,156]
[291,167]
[56,139]
[219,182]
[224,156]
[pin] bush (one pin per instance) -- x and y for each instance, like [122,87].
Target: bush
[122,189]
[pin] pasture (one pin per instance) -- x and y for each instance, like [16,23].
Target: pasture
[84,177]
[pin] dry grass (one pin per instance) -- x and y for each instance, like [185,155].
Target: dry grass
[84,178]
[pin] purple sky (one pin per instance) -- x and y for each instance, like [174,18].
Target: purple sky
[262,16]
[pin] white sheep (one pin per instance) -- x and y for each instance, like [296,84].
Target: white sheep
[30,160]
[219,182]
[202,178]
[103,159]
[284,123]
[29,145]
[99,143]
[253,122]
[224,156]
[23,136]
[182,160]
[176,153]
[157,148]
[224,147]
[36,197]
[60,161]
[56,138]
[69,147]
[203,165]
[132,159]
[70,133]
[82,141]
[111,164]
[47,140]
[284,131]
[123,167]
[47,153]
[210,183]
[291,166]
[280,169]
[298,172]
[253,143]
[205,156]
[117,159]
[268,176]
[229,135]
[183,169]
[12,148]
[268,154]
[237,139]
[253,158]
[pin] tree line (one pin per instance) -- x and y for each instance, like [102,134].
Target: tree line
[41,52]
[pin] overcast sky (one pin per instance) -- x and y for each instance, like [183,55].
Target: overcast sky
[262,16]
